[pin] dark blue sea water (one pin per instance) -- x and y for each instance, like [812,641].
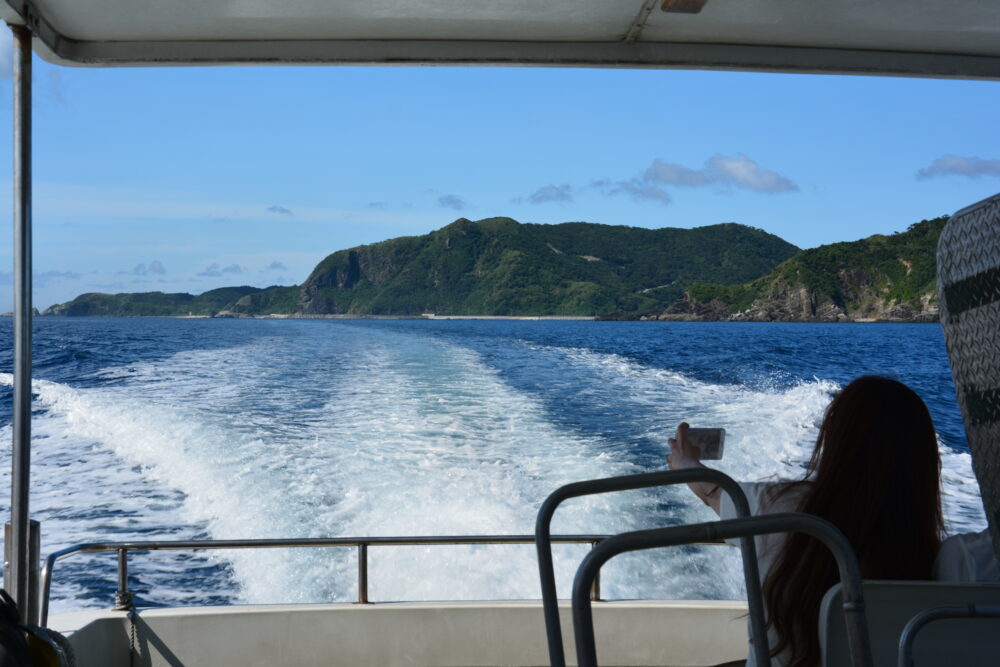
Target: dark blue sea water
[184,428]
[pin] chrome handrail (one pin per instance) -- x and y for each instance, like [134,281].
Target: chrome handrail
[123,598]
[748,549]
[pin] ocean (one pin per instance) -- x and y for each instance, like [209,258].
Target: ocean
[160,428]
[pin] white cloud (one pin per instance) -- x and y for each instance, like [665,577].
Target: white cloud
[956,165]
[742,172]
[739,171]
[719,170]
[280,210]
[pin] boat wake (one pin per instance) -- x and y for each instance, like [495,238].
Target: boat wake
[356,432]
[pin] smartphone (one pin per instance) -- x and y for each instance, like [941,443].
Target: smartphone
[709,442]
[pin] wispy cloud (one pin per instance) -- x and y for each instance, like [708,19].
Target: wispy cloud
[276,266]
[47,277]
[280,210]
[119,204]
[452,201]
[669,173]
[215,270]
[956,165]
[551,193]
[637,189]
[142,269]
[41,279]
[211,271]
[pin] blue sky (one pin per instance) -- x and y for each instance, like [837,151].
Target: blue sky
[187,179]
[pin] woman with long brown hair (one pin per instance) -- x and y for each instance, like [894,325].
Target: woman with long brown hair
[875,474]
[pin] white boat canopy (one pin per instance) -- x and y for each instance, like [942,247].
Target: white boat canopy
[955,38]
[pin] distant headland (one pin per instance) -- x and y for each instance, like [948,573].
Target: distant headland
[500,268]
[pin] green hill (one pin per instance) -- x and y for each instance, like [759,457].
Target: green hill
[150,303]
[877,278]
[501,267]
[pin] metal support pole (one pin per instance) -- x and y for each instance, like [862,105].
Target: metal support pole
[19,583]
[29,611]
[123,596]
[595,593]
[362,574]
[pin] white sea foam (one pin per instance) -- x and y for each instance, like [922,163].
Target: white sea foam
[770,433]
[374,432]
[83,492]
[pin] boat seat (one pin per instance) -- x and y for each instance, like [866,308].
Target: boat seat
[891,604]
[968,274]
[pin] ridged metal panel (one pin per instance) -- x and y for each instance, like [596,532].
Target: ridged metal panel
[968,266]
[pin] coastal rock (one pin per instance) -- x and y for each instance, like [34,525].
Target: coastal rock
[688,309]
[792,303]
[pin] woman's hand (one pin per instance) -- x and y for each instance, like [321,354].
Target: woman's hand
[682,453]
[685,455]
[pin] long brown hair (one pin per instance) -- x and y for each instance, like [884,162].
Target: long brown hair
[875,474]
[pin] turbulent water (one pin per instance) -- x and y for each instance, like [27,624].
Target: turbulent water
[180,429]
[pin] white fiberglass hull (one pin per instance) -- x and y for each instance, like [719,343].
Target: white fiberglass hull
[440,634]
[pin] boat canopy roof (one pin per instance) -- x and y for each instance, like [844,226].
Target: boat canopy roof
[954,38]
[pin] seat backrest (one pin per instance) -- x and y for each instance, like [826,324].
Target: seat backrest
[890,604]
[968,273]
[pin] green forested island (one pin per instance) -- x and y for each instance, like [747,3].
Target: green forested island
[499,267]
[879,278]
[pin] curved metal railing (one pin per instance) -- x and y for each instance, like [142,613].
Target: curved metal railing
[553,627]
[847,565]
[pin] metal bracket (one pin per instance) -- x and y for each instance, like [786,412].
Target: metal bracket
[639,23]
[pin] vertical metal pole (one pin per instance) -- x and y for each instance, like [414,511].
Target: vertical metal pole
[18,585]
[6,555]
[123,596]
[29,611]
[595,592]
[362,574]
